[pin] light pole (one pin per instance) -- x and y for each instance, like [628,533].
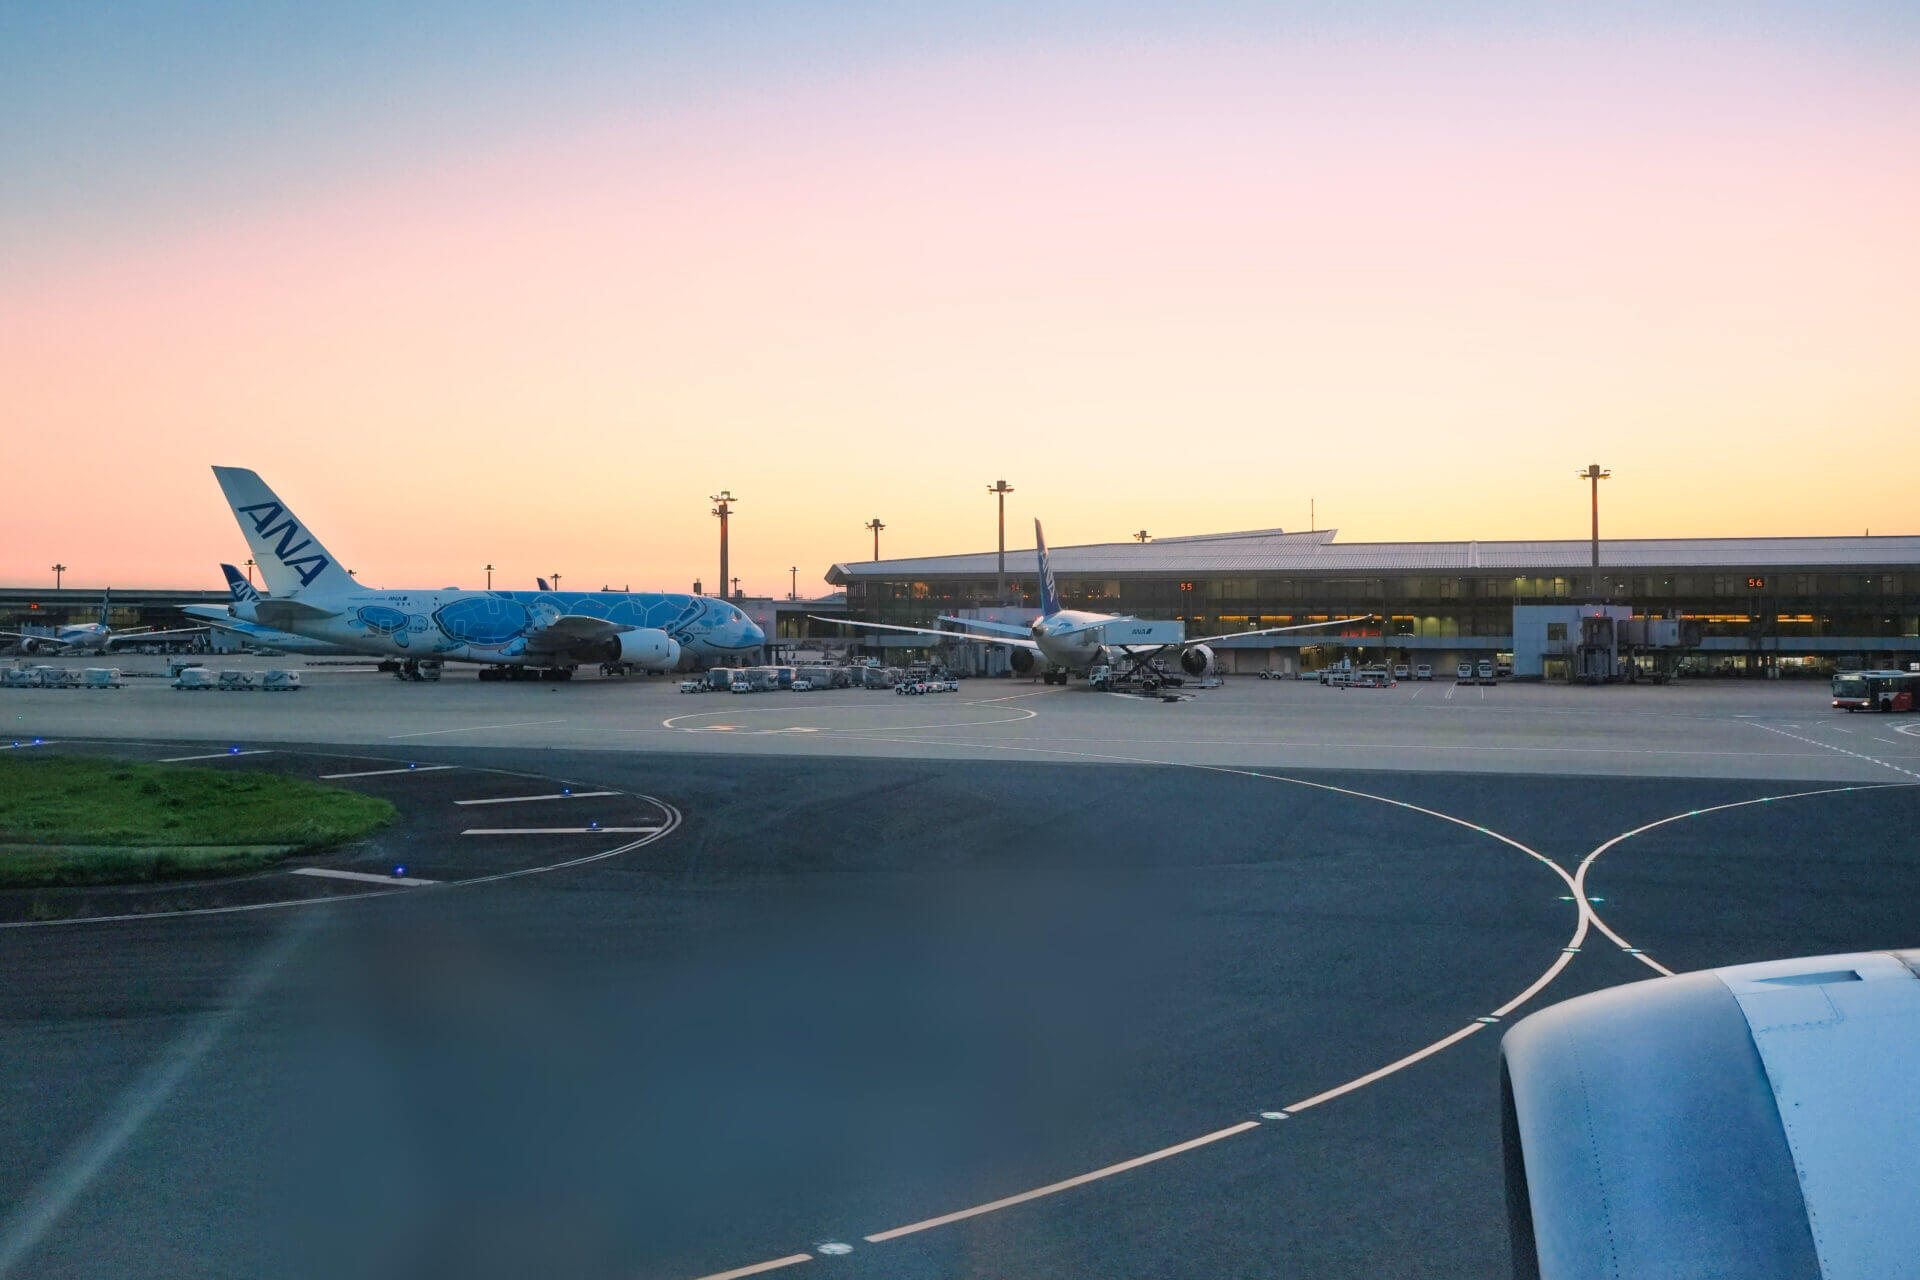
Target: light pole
[1141,536]
[1002,488]
[1594,474]
[489,577]
[736,588]
[249,570]
[793,582]
[555,579]
[58,569]
[723,507]
[875,525]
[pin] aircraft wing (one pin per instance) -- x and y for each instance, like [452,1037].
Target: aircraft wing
[286,615]
[571,630]
[1270,631]
[931,631]
[142,637]
[992,628]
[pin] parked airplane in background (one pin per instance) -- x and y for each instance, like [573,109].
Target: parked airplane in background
[1070,640]
[516,634]
[94,637]
[223,618]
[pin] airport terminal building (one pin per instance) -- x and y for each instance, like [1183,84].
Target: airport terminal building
[1748,605]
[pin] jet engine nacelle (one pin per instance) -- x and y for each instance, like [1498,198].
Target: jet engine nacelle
[1023,660]
[1196,661]
[29,646]
[648,648]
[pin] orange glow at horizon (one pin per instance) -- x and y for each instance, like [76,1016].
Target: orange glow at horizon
[1187,290]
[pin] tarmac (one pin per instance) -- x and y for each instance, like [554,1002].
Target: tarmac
[1012,981]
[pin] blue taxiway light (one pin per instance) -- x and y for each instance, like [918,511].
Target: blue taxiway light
[400,871]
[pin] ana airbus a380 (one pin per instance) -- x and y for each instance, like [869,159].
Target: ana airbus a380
[1074,641]
[512,633]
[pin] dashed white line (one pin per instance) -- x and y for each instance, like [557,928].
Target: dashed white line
[772,1264]
[381,773]
[367,877]
[1828,746]
[552,795]
[216,755]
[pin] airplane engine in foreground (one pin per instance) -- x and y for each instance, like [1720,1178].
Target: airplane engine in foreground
[29,646]
[1197,661]
[646,647]
[1024,661]
[1756,1120]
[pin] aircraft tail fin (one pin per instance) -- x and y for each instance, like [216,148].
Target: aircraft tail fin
[1049,594]
[106,602]
[244,592]
[291,559]
[543,584]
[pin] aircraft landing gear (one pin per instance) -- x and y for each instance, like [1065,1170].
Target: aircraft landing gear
[415,669]
[557,673]
[496,673]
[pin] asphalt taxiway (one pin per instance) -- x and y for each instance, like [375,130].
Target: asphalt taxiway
[1111,988]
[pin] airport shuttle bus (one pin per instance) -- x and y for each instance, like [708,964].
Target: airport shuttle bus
[1875,690]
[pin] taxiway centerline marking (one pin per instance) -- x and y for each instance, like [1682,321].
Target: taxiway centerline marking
[217,755]
[772,1264]
[1064,1184]
[367,877]
[1828,746]
[380,773]
[1580,872]
[556,795]
[472,728]
[558,831]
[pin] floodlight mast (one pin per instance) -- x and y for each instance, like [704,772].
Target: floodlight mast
[1594,474]
[723,507]
[1002,489]
[875,525]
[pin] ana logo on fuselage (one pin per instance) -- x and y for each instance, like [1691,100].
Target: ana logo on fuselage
[263,515]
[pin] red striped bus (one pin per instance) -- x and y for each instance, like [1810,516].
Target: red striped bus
[1876,690]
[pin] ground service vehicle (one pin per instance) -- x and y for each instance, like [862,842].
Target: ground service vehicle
[1486,671]
[693,686]
[1875,690]
[1400,671]
[1423,672]
[1464,673]
[801,684]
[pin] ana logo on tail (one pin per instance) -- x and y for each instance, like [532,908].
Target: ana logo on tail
[263,515]
[1049,593]
[243,591]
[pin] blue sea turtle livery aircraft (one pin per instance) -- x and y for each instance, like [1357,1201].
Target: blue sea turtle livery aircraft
[1070,640]
[516,634]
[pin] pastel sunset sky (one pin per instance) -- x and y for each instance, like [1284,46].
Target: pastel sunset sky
[525,283]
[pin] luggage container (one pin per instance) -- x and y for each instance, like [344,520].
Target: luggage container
[18,678]
[195,678]
[236,680]
[55,677]
[280,681]
[100,678]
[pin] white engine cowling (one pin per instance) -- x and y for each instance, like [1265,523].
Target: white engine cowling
[1196,661]
[29,646]
[648,648]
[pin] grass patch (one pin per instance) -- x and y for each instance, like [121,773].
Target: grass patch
[68,821]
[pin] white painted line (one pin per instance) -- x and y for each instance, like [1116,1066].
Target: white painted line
[22,746]
[49,1198]
[216,755]
[472,728]
[381,773]
[554,795]
[1362,1082]
[558,831]
[364,876]
[772,1265]
[1065,1183]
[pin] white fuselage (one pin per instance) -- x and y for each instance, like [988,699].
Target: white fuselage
[1072,639]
